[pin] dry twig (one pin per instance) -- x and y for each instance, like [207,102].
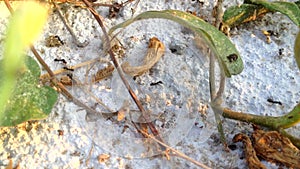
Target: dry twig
[77,42]
[120,72]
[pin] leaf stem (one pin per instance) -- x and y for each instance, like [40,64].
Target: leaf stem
[216,97]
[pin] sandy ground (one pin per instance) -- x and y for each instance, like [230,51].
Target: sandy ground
[184,73]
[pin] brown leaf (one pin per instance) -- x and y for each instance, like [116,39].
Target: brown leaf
[156,50]
[123,110]
[251,157]
[103,157]
[274,147]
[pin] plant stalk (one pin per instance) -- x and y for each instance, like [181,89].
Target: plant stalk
[120,72]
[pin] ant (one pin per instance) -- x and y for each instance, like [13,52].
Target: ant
[60,60]
[156,83]
[66,68]
[280,51]
[274,102]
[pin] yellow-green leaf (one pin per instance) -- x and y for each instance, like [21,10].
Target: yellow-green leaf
[290,9]
[297,50]
[236,15]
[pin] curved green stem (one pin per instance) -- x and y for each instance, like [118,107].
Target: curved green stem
[275,123]
[283,122]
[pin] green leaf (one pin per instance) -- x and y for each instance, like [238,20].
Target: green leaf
[29,100]
[297,50]
[290,9]
[23,28]
[226,53]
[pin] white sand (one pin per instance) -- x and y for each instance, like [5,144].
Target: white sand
[266,75]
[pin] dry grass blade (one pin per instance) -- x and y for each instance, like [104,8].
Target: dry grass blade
[45,77]
[175,152]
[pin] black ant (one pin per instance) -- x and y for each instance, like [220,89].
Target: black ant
[66,68]
[60,60]
[156,83]
[280,52]
[70,76]
[58,38]
[274,102]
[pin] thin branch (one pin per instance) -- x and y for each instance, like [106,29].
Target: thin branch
[54,80]
[102,4]
[145,115]
[77,42]
[219,13]
[176,152]
[212,80]
[134,8]
[8,6]
[216,99]
[46,76]
[218,22]
[96,99]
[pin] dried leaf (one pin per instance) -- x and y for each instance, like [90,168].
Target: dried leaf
[123,110]
[121,115]
[156,50]
[251,157]
[103,157]
[274,147]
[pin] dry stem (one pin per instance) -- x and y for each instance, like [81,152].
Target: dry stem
[120,71]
